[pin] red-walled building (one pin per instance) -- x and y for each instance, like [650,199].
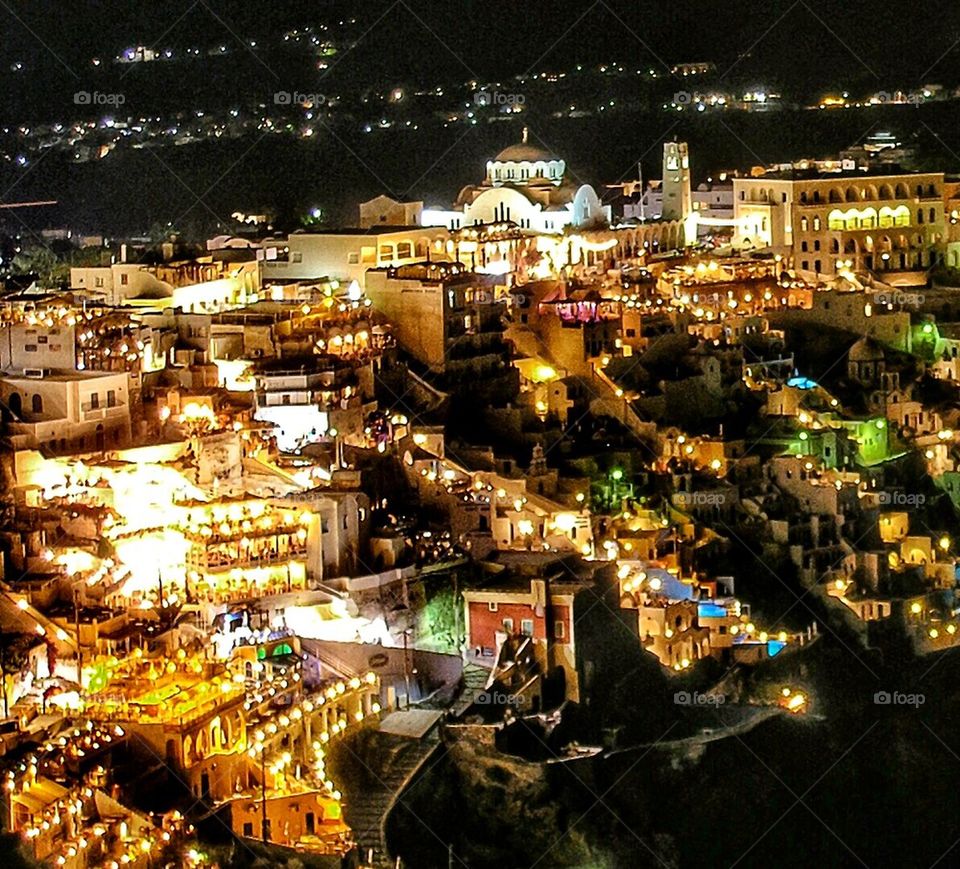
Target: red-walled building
[533,598]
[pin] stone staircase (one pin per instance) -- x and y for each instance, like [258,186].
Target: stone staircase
[366,811]
[475,680]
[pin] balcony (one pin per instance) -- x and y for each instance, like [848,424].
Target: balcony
[90,413]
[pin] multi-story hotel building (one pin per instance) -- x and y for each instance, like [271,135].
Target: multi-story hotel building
[825,222]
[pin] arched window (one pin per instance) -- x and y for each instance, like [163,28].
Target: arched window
[37,403]
[836,220]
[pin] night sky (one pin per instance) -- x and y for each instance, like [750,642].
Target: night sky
[802,48]
[790,39]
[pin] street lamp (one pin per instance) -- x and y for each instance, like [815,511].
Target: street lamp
[264,823]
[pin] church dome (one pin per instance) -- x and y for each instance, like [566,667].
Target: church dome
[524,153]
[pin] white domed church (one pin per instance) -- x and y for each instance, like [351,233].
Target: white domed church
[528,186]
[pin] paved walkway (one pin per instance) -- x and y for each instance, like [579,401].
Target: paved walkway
[366,809]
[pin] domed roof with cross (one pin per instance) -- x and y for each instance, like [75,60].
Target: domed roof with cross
[525,153]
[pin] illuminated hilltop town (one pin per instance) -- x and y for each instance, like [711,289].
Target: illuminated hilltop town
[286,518]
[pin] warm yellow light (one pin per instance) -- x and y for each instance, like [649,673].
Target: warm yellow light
[544,373]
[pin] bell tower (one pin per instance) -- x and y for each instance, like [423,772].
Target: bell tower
[677,193]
